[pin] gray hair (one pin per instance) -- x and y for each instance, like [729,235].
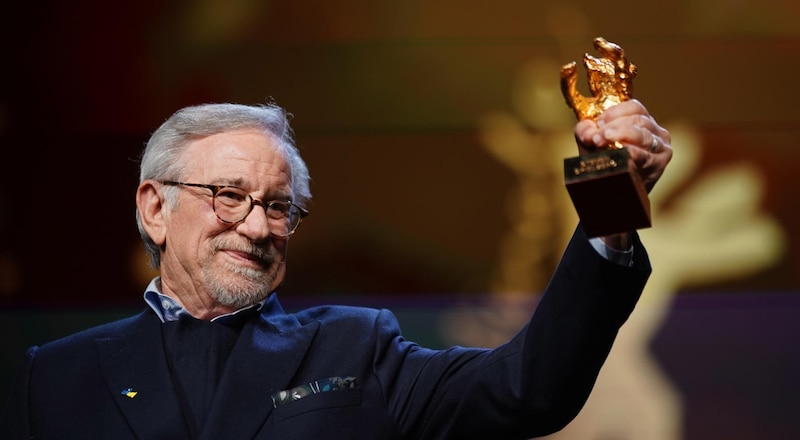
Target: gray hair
[161,159]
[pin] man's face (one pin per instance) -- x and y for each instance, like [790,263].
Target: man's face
[216,263]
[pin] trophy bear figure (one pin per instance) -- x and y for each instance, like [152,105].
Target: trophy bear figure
[610,80]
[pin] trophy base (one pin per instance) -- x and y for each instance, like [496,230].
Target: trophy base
[607,194]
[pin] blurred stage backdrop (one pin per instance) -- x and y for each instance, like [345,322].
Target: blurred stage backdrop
[434,132]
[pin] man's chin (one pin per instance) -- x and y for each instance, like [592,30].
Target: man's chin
[241,288]
[236,299]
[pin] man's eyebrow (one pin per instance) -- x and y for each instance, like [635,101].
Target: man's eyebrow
[274,194]
[237,181]
[282,195]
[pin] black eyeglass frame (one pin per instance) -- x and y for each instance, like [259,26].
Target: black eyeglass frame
[253,202]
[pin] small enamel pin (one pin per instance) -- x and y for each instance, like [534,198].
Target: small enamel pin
[129,393]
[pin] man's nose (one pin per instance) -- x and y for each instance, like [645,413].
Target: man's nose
[255,225]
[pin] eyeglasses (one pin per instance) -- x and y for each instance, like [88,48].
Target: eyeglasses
[232,204]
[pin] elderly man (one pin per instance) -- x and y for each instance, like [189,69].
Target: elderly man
[214,356]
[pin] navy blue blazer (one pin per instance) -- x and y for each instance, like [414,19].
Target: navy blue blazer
[80,387]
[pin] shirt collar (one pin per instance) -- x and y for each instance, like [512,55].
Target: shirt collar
[168,309]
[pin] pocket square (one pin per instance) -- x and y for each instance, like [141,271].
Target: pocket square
[318,386]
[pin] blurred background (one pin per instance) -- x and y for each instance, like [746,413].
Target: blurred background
[434,132]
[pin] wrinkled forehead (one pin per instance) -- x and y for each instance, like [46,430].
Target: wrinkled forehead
[250,155]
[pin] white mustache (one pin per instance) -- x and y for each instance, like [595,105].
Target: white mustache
[256,252]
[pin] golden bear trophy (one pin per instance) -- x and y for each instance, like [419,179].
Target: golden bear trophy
[604,187]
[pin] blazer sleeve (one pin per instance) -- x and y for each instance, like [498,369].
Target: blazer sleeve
[537,382]
[15,420]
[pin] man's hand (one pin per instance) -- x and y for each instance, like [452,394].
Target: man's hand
[630,124]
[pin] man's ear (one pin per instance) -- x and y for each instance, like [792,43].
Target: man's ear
[152,208]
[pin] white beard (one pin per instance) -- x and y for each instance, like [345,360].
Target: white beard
[235,286]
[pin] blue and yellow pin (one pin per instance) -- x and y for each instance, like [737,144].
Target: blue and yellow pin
[130,393]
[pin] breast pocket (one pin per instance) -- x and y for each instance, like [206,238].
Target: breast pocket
[321,405]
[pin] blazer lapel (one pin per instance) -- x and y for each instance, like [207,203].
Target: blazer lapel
[263,362]
[136,373]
